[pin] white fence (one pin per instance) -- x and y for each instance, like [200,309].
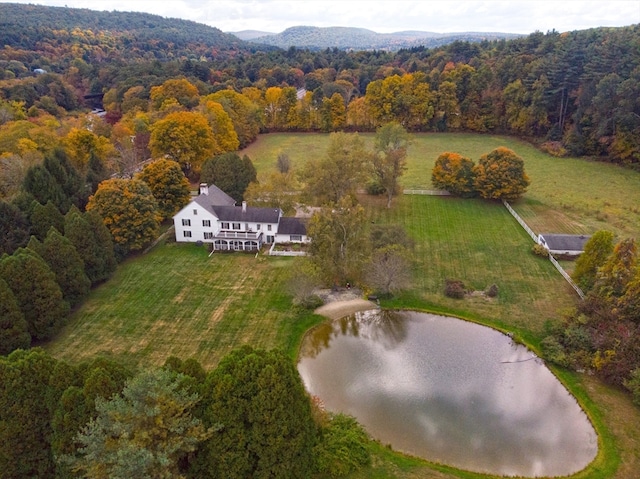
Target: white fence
[273,252]
[566,276]
[427,192]
[534,236]
[551,258]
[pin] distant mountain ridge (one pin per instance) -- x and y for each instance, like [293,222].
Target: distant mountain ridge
[351,38]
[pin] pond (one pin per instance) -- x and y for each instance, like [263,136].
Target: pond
[449,391]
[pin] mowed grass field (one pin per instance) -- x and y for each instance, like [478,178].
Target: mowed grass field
[566,195]
[176,300]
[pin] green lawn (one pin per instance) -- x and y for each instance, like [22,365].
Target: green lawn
[178,301]
[567,195]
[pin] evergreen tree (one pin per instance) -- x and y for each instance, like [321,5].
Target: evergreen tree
[36,290]
[230,173]
[144,432]
[65,262]
[26,402]
[14,228]
[93,242]
[43,217]
[40,183]
[96,172]
[13,327]
[257,402]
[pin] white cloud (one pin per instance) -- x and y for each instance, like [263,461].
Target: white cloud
[523,16]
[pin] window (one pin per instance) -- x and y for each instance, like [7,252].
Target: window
[294,237]
[195,212]
[268,227]
[206,222]
[208,235]
[236,226]
[225,226]
[258,226]
[187,234]
[186,222]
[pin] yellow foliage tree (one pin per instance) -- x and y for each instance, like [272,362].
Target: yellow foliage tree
[130,212]
[180,90]
[222,127]
[185,137]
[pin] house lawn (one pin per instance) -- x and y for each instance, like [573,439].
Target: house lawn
[176,300]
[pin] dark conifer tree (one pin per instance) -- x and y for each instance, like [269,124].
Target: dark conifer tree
[43,217]
[13,327]
[14,228]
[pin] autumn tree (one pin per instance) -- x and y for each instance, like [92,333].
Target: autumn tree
[333,113]
[264,428]
[129,211]
[596,252]
[93,242]
[36,291]
[244,114]
[222,127]
[389,160]
[615,274]
[13,327]
[177,90]
[454,173]
[185,137]
[500,175]
[168,185]
[340,172]
[338,247]
[276,190]
[144,432]
[230,173]
[81,143]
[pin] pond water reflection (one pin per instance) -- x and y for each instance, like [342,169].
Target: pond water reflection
[449,391]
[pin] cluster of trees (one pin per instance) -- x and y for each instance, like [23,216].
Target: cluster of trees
[499,175]
[58,241]
[603,334]
[574,91]
[249,417]
[344,245]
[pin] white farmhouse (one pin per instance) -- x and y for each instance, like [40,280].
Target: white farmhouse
[213,217]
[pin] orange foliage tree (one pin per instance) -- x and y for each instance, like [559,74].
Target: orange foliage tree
[500,175]
[454,173]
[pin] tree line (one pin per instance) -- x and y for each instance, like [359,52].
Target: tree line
[248,417]
[574,93]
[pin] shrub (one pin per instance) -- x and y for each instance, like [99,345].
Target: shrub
[375,188]
[554,148]
[633,385]
[454,288]
[540,250]
[492,291]
[343,447]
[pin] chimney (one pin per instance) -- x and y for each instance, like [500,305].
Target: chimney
[244,206]
[204,189]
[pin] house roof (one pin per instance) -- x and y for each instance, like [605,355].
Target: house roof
[292,226]
[250,214]
[559,242]
[218,197]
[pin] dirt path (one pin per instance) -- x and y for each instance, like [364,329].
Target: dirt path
[340,309]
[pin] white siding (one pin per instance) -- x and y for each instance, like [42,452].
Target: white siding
[195,215]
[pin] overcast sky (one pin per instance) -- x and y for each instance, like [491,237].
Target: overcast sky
[523,16]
